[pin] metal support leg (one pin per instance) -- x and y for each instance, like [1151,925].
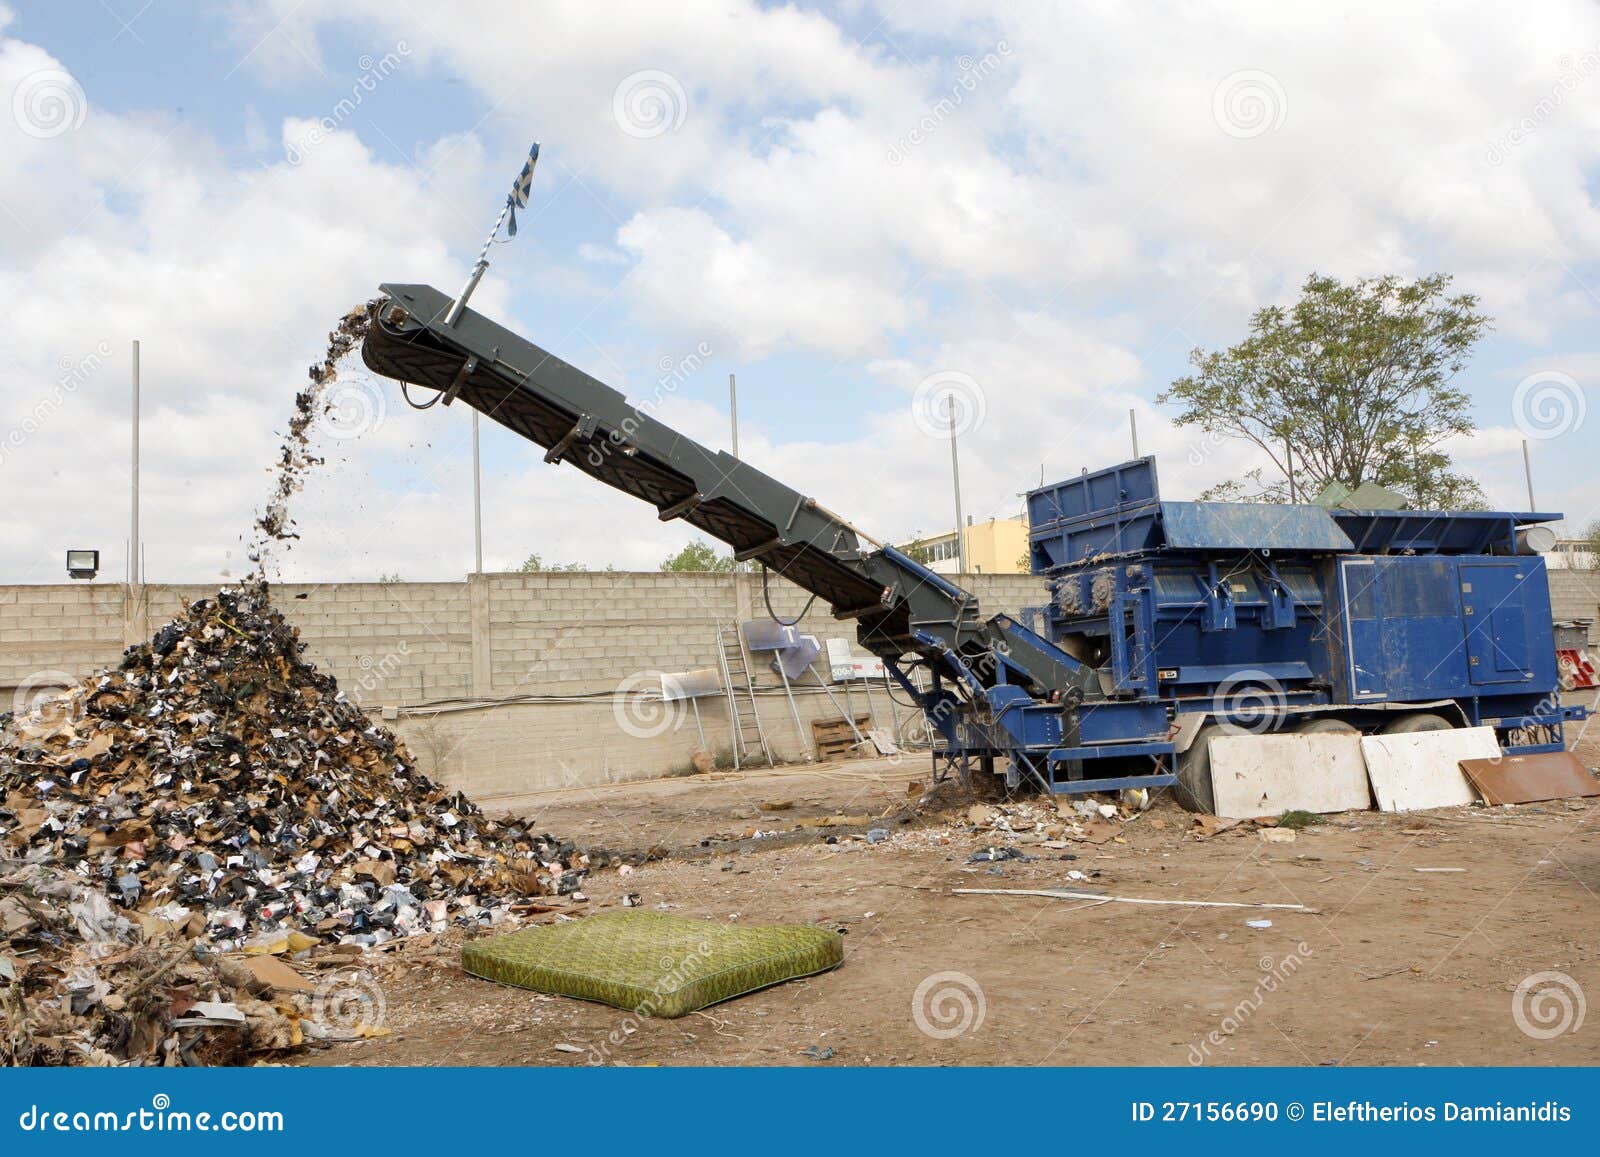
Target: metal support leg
[799,732]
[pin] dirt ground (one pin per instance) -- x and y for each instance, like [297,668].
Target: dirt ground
[1397,964]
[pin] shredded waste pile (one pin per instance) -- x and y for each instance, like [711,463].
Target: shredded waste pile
[216,794]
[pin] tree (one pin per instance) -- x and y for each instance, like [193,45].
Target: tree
[1354,379]
[698,556]
[1589,542]
[918,551]
[533,564]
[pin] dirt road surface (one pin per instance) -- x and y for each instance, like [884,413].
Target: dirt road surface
[1424,926]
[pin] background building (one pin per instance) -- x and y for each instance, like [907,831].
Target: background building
[998,546]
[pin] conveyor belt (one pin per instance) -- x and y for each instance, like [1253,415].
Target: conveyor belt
[899,605]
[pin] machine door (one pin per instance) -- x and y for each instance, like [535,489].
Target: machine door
[1363,626]
[1494,608]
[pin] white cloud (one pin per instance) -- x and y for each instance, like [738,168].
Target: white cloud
[1054,223]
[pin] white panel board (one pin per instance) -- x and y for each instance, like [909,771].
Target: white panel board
[1421,771]
[1266,775]
[844,667]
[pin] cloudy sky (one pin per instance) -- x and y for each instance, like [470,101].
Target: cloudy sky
[1044,207]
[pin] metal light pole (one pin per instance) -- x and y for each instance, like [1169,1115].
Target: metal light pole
[135,549]
[1527,471]
[733,412]
[477,499]
[1133,430]
[955,477]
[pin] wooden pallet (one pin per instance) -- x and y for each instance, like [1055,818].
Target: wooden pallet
[833,737]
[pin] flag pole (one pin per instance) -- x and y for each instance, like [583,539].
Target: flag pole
[517,196]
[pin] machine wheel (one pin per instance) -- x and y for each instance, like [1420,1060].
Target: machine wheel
[1415,724]
[1326,725]
[1194,771]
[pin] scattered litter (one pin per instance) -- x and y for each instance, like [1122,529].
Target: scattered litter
[1438,869]
[877,835]
[1059,894]
[564,1047]
[1258,923]
[1277,835]
[995,855]
[818,1052]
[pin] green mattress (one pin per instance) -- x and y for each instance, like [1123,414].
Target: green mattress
[652,963]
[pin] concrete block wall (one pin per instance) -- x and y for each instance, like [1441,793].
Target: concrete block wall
[502,684]
[1575,594]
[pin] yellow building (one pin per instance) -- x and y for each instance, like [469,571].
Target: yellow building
[998,546]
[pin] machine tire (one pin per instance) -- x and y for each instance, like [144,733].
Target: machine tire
[1326,725]
[1193,790]
[1415,724]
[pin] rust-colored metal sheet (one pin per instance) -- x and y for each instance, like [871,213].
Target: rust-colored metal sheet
[1530,778]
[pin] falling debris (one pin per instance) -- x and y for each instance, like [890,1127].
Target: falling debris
[296,456]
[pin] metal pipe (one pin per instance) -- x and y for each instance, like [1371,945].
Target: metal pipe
[473,278]
[1527,470]
[955,476]
[477,499]
[794,710]
[135,561]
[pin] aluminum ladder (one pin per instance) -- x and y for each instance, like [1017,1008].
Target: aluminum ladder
[740,689]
